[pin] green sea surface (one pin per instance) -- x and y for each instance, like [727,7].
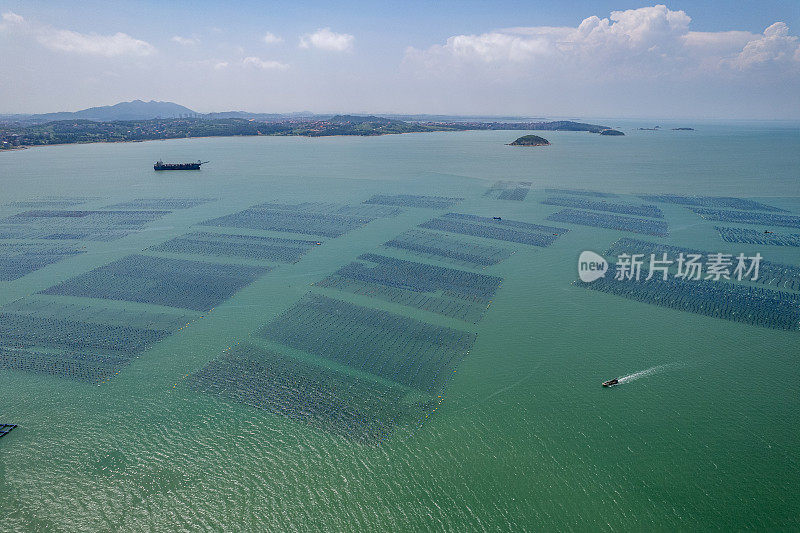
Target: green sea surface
[525,438]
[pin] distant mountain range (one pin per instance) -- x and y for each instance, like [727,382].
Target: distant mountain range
[140,110]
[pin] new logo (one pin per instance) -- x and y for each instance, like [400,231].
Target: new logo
[591,266]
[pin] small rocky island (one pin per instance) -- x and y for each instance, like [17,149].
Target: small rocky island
[682,129]
[611,132]
[530,140]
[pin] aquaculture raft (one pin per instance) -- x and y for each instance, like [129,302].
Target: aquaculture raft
[5,429]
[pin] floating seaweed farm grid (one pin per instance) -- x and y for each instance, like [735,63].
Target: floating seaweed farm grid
[302,218]
[509,190]
[581,192]
[595,205]
[360,210]
[71,224]
[5,429]
[748,217]
[490,228]
[342,403]
[172,282]
[240,246]
[446,291]
[92,344]
[779,275]
[50,202]
[19,259]
[439,246]
[413,200]
[751,305]
[618,222]
[393,347]
[710,201]
[751,236]
[162,203]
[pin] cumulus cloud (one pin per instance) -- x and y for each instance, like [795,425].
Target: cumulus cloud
[774,46]
[10,16]
[220,65]
[119,44]
[325,39]
[185,41]
[271,38]
[257,62]
[647,42]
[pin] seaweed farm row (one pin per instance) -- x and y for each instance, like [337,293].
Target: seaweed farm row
[509,190]
[581,192]
[751,236]
[393,347]
[241,246]
[439,246]
[748,217]
[306,219]
[414,200]
[172,282]
[5,429]
[360,210]
[778,275]
[498,229]
[92,344]
[161,203]
[446,291]
[20,258]
[617,222]
[50,202]
[91,225]
[595,205]
[344,404]
[741,303]
[710,201]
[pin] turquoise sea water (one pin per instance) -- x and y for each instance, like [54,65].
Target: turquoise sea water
[524,439]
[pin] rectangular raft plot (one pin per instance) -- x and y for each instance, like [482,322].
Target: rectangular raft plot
[343,404]
[71,224]
[751,236]
[601,205]
[710,201]
[414,200]
[748,217]
[391,346]
[5,429]
[502,230]
[172,282]
[581,192]
[657,228]
[773,275]
[19,259]
[740,303]
[161,203]
[439,246]
[509,190]
[445,291]
[304,222]
[361,210]
[241,246]
[50,202]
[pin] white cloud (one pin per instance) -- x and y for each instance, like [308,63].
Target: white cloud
[774,46]
[263,64]
[220,65]
[649,42]
[325,39]
[185,41]
[10,16]
[118,44]
[271,38]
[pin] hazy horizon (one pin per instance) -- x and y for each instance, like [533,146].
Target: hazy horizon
[700,61]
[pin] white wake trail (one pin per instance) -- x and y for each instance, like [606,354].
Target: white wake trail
[645,373]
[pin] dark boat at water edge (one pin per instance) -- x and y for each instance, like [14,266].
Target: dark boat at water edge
[611,382]
[160,165]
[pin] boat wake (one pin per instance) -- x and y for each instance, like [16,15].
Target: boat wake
[645,373]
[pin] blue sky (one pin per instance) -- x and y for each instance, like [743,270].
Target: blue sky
[704,59]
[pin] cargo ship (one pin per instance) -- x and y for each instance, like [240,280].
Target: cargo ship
[160,165]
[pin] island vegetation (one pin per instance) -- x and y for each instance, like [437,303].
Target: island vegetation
[87,126]
[530,140]
[611,132]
